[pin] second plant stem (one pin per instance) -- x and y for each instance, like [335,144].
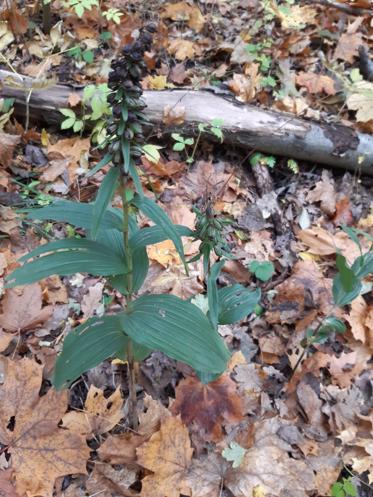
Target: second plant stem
[132,399]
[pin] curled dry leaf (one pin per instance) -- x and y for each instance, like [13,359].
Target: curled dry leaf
[324,193]
[206,476]
[208,406]
[92,301]
[246,86]
[174,115]
[361,321]
[100,414]
[22,309]
[168,454]
[40,450]
[316,83]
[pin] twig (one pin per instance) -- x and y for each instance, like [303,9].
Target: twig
[349,9]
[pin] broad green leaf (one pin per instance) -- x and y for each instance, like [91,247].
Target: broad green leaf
[105,160]
[156,234]
[135,177]
[104,196]
[68,257]
[342,297]
[363,265]
[68,123]
[139,352]
[212,292]
[263,270]
[236,302]
[347,276]
[75,213]
[337,490]
[160,218]
[177,328]
[68,113]
[87,346]
[178,146]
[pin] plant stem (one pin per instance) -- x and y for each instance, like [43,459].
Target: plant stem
[132,400]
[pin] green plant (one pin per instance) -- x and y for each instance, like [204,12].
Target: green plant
[94,109]
[263,270]
[115,247]
[80,6]
[112,15]
[80,54]
[348,284]
[270,161]
[344,488]
[182,143]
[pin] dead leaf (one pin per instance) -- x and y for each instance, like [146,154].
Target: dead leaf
[7,145]
[121,449]
[164,253]
[40,450]
[18,21]
[100,414]
[182,49]
[347,46]
[174,115]
[324,193]
[54,291]
[150,421]
[74,149]
[9,220]
[178,74]
[299,298]
[54,169]
[157,82]
[74,99]
[5,339]
[208,406]
[316,83]
[92,301]
[295,16]
[182,11]
[107,481]
[6,487]
[246,86]
[361,100]
[206,476]
[22,308]
[163,169]
[267,465]
[168,454]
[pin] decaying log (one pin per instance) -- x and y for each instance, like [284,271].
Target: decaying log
[247,126]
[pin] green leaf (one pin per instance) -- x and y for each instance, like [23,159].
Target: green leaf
[78,125]
[68,257]
[88,56]
[177,137]
[363,265]
[177,328]
[105,160]
[262,270]
[340,296]
[68,123]
[103,198]
[234,453]
[346,274]
[151,152]
[126,151]
[155,234]
[189,141]
[337,490]
[68,112]
[135,177]
[212,292]
[160,218]
[75,213]
[178,147]
[87,346]
[236,302]
[349,487]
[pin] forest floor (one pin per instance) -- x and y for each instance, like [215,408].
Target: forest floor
[290,417]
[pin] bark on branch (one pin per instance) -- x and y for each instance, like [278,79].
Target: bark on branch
[244,125]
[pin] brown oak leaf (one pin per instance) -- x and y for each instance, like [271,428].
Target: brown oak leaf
[208,406]
[40,450]
[316,83]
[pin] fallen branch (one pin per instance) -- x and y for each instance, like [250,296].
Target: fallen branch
[243,125]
